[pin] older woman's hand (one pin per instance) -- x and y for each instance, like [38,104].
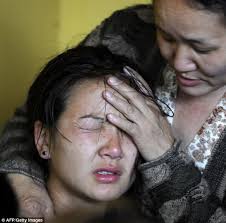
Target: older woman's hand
[33,197]
[141,119]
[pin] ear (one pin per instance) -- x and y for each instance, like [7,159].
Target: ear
[42,140]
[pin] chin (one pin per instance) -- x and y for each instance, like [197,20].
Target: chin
[108,195]
[195,92]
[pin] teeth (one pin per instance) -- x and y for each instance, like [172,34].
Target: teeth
[105,173]
[185,75]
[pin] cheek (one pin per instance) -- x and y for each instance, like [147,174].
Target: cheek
[88,139]
[70,151]
[213,68]
[131,153]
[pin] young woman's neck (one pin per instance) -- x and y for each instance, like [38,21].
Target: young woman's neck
[66,201]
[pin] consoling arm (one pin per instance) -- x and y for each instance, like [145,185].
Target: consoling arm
[175,190]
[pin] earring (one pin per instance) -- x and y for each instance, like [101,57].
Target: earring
[45,154]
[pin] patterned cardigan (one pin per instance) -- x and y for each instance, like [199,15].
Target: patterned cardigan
[175,191]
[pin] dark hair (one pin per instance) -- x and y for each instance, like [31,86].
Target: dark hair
[216,6]
[47,97]
[48,94]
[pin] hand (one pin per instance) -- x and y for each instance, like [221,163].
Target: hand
[33,197]
[142,119]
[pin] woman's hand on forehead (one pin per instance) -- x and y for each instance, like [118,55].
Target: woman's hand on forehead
[141,119]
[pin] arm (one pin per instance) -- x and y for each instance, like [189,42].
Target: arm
[131,33]
[16,148]
[173,181]
[23,171]
[168,183]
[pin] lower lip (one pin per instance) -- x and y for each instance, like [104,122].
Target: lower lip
[106,179]
[188,82]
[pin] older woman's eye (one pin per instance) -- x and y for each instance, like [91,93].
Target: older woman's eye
[203,51]
[90,123]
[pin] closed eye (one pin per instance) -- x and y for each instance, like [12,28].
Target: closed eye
[203,50]
[90,123]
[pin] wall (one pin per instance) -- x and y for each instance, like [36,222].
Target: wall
[32,31]
[28,37]
[86,15]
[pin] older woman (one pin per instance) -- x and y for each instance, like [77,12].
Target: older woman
[184,182]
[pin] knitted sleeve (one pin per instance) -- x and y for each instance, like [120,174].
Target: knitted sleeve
[165,185]
[16,148]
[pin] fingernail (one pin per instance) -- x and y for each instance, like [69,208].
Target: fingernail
[108,94]
[113,80]
[111,117]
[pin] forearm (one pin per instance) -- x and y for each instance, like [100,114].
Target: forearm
[16,148]
[167,179]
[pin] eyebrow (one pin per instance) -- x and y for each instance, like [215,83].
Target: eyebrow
[92,116]
[195,41]
[200,41]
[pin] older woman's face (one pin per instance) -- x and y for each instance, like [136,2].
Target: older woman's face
[194,43]
[96,160]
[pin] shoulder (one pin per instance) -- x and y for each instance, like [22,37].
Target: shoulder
[131,33]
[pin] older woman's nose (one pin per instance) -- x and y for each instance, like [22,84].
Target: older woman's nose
[112,148]
[183,60]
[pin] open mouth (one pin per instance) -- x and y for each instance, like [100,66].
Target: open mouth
[186,81]
[107,175]
[187,76]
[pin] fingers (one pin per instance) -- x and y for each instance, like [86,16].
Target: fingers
[131,102]
[122,105]
[127,92]
[33,197]
[123,124]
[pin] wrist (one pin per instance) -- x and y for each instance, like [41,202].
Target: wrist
[159,150]
[168,155]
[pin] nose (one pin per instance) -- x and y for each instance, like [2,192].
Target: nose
[182,59]
[112,147]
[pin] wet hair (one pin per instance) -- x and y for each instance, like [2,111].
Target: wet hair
[48,94]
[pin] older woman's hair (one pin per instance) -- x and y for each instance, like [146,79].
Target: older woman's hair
[216,6]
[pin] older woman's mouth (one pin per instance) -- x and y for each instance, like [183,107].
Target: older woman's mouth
[187,81]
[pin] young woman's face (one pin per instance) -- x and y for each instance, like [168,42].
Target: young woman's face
[94,159]
[193,41]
